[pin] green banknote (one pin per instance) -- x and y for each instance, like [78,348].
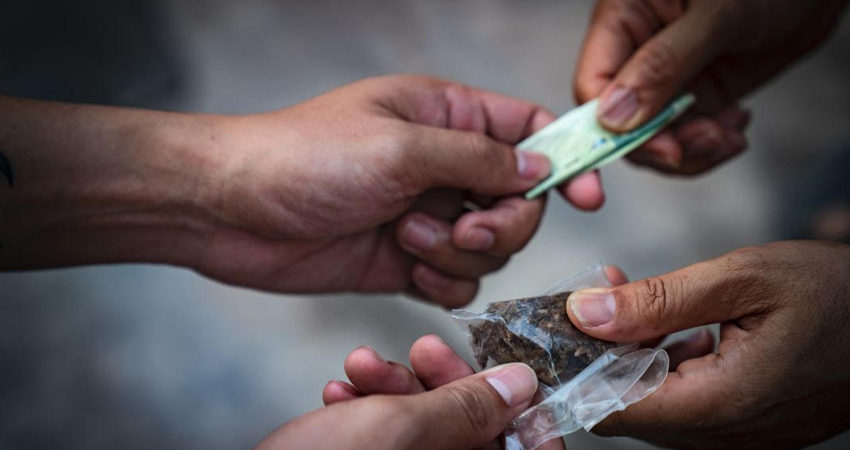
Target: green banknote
[575,143]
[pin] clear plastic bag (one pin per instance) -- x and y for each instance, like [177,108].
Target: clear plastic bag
[582,378]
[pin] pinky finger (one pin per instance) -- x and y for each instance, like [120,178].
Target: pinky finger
[339,391]
[442,289]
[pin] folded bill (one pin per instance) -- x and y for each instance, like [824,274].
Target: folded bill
[575,143]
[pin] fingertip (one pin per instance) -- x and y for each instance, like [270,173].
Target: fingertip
[585,192]
[426,345]
[338,391]
[435,363]
[616,275]
[361,358]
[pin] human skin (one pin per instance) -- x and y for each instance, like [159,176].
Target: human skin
[432,364]
[639,54]
[361,189]
[467,413]
[779,378]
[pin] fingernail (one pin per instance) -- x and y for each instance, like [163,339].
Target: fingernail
[618,107]
[592,307]
[478,238]
[531,166]
[516,383]
[419,235]
[374,353]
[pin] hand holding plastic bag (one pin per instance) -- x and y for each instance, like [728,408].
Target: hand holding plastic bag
[584,379]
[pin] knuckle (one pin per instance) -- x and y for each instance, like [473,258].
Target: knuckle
[473,403]
[654,299]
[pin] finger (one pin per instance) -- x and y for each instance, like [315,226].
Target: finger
[431,241]
[616,29]
[702,138]
[735,118]
[616,275]
[442,289]
[719,290]
[663,152]
[696,345]
[372,374]
[444,104]
[698,389]
[585,191]
[499,231]
[472,411]
[442,204]
[339,391]
[435,363]
[664,64]
[436,157]
[694,143]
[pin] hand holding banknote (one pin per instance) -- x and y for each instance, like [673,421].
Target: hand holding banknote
[392,184]
[639,54]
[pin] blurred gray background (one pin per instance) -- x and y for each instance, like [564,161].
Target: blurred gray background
[155,357]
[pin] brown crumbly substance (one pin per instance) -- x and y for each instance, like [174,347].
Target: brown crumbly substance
[535,331]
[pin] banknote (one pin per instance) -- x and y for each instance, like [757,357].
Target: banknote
[575,143]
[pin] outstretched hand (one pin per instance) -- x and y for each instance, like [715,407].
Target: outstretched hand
[366,188]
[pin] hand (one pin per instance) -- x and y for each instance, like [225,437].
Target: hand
[779,379]
[360,189]
[363,189]
[467,413]
[638,54]
[434,364]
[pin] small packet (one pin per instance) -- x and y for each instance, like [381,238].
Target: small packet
[582,378]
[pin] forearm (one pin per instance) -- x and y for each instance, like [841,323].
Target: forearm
[88,184]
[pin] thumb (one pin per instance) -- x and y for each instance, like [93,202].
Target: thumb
[719,290]
[660,68]
[473,411]
[472,161]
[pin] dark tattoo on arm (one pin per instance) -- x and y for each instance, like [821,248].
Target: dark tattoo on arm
[6,169]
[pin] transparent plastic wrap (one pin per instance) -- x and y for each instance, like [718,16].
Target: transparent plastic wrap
[583,379]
